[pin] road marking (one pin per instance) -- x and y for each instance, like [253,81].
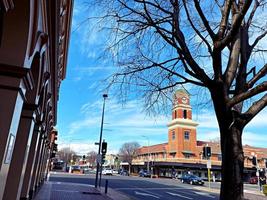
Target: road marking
[72,191]
[145,194]
[174,194]
[205,194]
[165,188]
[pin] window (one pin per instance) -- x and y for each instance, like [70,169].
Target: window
[185,114]
[186,135]
[173,135]
[219,157]
[175,114]
[186,155]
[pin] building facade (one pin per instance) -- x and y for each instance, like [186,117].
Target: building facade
[183,153]
[34,38]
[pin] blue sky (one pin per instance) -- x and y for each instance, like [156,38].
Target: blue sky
[80,102]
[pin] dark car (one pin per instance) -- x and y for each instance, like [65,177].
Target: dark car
[253,180]
[123,172]
[192,179]
[144,173]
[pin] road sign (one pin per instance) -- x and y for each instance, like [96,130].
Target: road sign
[209,164]
[257,173]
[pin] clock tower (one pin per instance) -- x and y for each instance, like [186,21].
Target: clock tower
[182,129]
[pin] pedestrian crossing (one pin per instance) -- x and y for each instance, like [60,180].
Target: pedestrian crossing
[168,193]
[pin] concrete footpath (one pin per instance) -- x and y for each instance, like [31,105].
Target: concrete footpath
[74,191]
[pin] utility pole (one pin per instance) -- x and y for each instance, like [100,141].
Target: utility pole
[100,139]
[148,152]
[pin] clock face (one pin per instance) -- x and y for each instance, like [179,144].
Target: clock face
[184,99]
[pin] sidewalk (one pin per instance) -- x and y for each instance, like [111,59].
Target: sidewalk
[74,191]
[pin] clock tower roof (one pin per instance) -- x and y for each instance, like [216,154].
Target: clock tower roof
[181,92]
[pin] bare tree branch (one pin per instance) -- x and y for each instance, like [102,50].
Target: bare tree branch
[254,109]
[256,5]
[204,20]
[196,30]
[235,27]
[258,39]
[259,75]
[225,17]
[246,95]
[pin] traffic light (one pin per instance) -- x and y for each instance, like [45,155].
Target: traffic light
[206,152]
[208,149]
[104,147]
[104,151]
[254,160]
[55,137]
[54,147]
[103,159]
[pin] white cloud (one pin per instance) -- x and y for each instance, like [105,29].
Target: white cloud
[207,119]
[254,139]
[259,121]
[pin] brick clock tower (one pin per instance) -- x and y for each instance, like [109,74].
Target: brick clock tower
[182,129]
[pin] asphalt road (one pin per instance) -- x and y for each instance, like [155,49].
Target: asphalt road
[143,188]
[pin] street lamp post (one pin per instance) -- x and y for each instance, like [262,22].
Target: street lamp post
[148,152]
[100,139]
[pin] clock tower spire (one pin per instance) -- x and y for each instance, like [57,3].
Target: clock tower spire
[182,129]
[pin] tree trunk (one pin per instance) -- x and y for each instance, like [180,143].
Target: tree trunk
[231,128]
[232,163]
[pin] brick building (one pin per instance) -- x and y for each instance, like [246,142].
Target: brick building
[183,152]
[34,40]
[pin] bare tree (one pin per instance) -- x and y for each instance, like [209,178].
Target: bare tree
[128,152]
[66,154]
[91,157]
[215,45]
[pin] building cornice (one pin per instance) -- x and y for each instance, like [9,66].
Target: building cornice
[182,123]
[182,106]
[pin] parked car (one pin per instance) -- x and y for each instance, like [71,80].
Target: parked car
[253,180]
[75,169]
[144,173]
[123,172]
[114,171]
[192,179]
[107,171]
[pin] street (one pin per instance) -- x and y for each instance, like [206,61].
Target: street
[142,188]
